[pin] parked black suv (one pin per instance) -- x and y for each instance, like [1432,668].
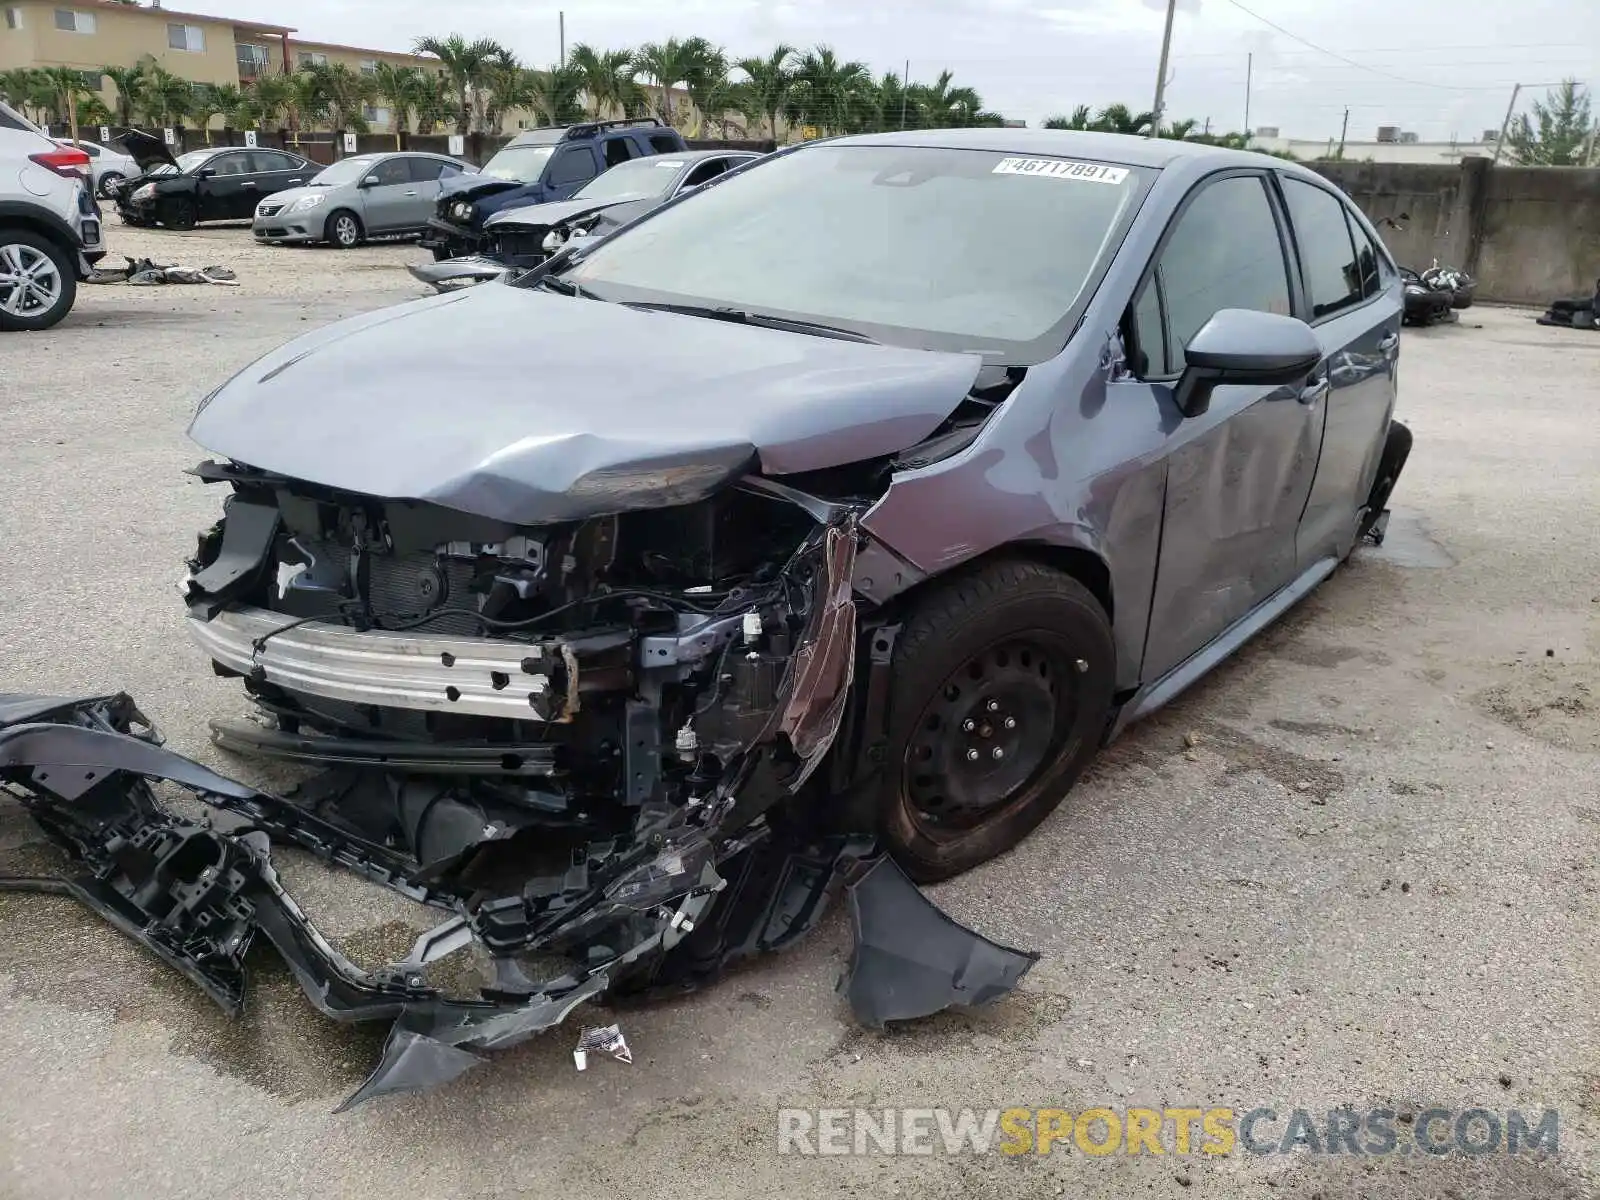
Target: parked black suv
[536,167]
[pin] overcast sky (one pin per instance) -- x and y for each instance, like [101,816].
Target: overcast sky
[1441,68]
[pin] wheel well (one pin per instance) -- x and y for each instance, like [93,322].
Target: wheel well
[1087,567]
[348,212]
[43,228]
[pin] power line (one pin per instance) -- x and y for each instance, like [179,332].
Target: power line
[1445,87]
[1429,49]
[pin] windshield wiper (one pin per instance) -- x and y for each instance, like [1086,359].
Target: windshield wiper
[563,287]
[743,316]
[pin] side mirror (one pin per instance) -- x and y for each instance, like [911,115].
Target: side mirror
[1240,346]
[207,172]
[371,181]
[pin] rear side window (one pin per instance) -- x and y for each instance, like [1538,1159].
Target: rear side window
[709,169]
[1224,253]
[663,143]
[575,164]
[1326,252]
[267,160]
[618,150]
[1366,259]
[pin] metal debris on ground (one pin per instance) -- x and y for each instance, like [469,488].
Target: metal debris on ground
[144,272]
[606,1039]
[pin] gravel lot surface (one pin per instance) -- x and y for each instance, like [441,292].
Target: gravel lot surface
[1358,865]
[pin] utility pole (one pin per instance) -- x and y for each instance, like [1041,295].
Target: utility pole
[905,92]
[1505,126]
[1249,70]
[561,17]
[1161,71]
[1344,129]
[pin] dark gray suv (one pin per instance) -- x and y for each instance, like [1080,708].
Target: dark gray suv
[872,489]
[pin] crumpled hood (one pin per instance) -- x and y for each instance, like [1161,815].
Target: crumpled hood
[553,213]
[528,407]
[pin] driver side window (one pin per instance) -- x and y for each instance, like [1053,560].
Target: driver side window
[230,164]
[1226,251]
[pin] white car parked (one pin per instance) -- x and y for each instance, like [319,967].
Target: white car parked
[110,167]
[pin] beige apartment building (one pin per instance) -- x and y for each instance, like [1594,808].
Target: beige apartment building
[91,34]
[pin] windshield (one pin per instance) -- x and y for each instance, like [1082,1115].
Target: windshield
[346,170]
[641,177]
[518,164]
[920,246]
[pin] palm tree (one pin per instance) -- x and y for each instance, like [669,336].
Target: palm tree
[93,111]
[1119,118]
[1180,130]
[345,94]
[555,94]
[464,64]
[1081,118]
[828,93]
[268,100]
[706,73]
[399,88]
[504,87]
[435,101]
[666,64]
[130,83]
[607,78]
[30,91]
[207,104]
[770,79]
[946,107]
[308,101]
[67,86]
[168,99]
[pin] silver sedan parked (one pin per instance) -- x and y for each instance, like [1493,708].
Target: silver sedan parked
[367,195]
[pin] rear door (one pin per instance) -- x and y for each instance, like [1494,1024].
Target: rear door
[424,191]
[1239,474]
[1355,308]
[273,171]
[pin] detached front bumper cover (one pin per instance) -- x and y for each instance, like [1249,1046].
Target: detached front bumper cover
[198,893]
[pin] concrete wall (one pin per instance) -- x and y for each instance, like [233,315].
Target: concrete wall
[1529,234]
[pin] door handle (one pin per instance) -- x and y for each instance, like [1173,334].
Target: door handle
[411,193]
[247,183]
[1389,341]
[294,181]
[1316,390]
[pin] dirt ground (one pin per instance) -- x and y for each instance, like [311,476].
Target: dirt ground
[1356,866]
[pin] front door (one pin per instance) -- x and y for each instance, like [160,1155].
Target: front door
[388,196]
[423,193]
[571,168]
[1355,309]
[221,194]
[1238,475]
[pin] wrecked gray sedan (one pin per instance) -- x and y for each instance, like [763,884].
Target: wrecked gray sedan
[637,607]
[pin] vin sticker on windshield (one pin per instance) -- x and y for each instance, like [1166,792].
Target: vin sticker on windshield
[1057,168]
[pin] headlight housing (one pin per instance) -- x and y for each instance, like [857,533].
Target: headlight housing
[305,203]
[461,210]
[147,192]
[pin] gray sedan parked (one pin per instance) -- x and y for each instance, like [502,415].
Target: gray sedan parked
[368,195]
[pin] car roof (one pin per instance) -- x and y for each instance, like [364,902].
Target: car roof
[1121,148]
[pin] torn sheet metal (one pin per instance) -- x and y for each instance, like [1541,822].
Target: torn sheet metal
[912,960]
[606,1039]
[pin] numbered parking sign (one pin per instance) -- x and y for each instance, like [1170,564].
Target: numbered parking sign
[349,143]
[250,138]
[170,136]
[458,143]
[105,133]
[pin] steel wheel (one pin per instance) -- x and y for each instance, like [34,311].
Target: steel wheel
[32,286]
[109,183]
[997,719]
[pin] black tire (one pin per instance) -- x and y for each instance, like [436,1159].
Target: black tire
[442,254]
[1396,449]
[109,183]
[1010,637]
[342,230]
[178,213]
[35,253]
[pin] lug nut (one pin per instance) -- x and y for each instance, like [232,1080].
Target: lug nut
[1011,722]
[997,752]
[993,706]
[968,725]
[972,756]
